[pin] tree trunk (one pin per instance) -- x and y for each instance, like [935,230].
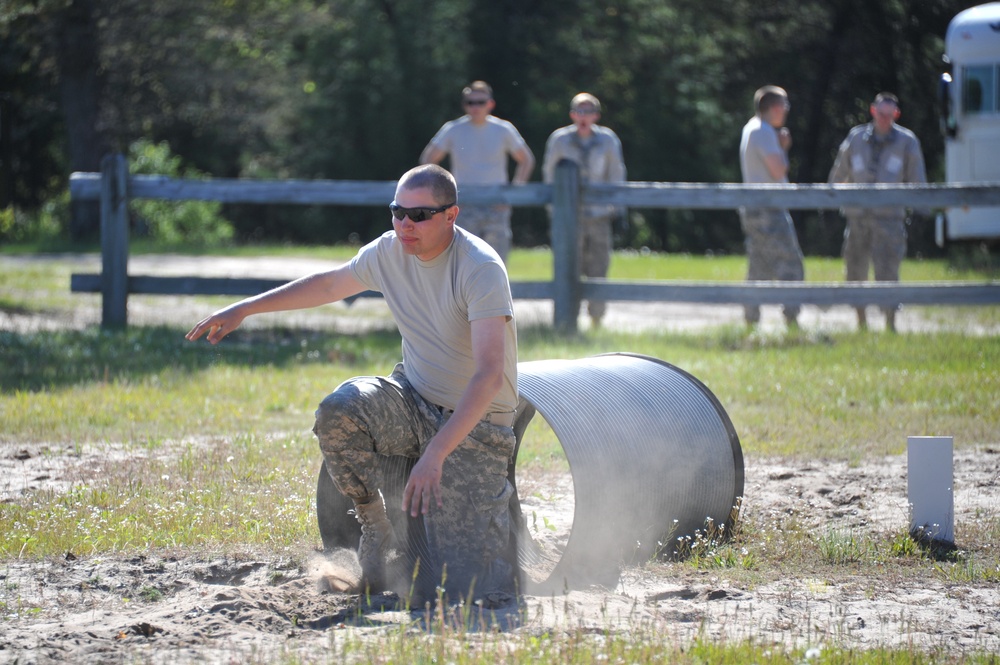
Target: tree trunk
[78,58]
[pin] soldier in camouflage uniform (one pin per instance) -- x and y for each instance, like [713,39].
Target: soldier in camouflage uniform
[772,247]
[597,150]
[879,151]
[449,404]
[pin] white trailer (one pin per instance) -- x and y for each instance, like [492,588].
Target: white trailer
[970,115]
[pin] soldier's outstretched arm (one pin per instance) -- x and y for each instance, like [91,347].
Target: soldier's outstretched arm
[309,291]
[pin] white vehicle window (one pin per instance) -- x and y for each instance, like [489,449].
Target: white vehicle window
[979,89]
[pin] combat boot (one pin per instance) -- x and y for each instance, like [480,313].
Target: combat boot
[377,539]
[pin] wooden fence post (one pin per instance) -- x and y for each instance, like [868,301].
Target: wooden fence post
[114,241]
[565,257]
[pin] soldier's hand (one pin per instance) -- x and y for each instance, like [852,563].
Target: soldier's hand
[217,325]
[785,138]
[423,487]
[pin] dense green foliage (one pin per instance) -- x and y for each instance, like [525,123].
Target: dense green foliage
[354,89]
[169,222]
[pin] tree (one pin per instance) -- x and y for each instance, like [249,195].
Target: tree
[354,89]
[208,77]
[57,42]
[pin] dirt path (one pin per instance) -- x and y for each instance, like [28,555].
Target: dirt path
[367,313]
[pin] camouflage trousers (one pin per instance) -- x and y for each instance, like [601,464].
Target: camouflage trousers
[370,416]
[491,223]
[773,253]
[595,245]
[878,242]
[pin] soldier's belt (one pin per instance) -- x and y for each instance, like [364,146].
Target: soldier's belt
[500,419]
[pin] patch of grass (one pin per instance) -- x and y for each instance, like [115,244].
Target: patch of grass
[979,560]
[150,383]
[540,448]
[536,264]
[903,545]
[652,266]
[712,547]
[445,643]
[785,394]
[840,547]
[225,492]
[763,546]
[969,570]
[38,288]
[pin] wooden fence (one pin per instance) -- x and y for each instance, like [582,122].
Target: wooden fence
[114,187]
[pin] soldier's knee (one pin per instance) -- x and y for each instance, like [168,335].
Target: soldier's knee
[340,405]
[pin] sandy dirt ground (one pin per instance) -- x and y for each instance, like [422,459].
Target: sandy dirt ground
[176,607]
[258,606]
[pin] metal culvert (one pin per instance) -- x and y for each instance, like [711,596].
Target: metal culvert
[652,454]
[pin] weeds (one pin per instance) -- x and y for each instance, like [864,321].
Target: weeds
[253,490]
[842,547]
[713,546]
[903,545]
[968,570]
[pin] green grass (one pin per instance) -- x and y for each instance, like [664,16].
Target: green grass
[785,394]
[536,264]
[166,443]
[652,644]
[532,264]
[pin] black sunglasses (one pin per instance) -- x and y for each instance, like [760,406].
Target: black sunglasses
[475,102]
[416,214]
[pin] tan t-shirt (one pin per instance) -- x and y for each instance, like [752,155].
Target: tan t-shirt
[759,140]
[434,303]
[479,153]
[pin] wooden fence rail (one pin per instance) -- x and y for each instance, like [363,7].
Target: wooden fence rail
[113,187]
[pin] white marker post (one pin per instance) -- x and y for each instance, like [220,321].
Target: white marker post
[929,488]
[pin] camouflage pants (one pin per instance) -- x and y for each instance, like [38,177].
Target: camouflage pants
[773,253]
[491,223]
[879,242]
[370,416]
[595,244]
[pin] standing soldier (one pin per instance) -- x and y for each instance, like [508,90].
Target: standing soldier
[772,247]
[598,152]
[478,145]
[878,151]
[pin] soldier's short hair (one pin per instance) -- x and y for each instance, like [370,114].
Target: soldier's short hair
[433,177]
[767,97]
[886,97]
[477,86]
[584,98]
